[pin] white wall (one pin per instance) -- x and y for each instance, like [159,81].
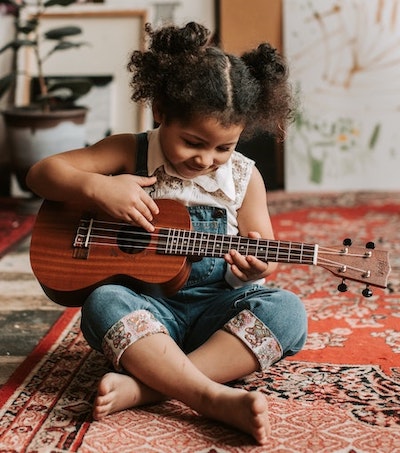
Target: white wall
[6,31]
[184,11]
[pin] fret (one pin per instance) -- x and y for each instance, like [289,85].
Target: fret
[195,241]
[294,253]
[311,254]
[241,248]
[181,240]
[178,242]
[164,244]
[233,243]
[206,238]
[277,250]
[218,246]
[213,242]
[244,248]
[301,251]
[174,241]
[251,247]
[186,243]
[272,251]
[261,252]
[226,242]
[201,246]
[255,248]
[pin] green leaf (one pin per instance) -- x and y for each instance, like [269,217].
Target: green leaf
[5,83]
[65,45]
[59,3]
[9,45]
[61,93]
[374,136]
[62,32]
[16,44]
[317,167]
[69,89]
[28,27]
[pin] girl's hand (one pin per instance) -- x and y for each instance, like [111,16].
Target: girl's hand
[247,268]
[123,197]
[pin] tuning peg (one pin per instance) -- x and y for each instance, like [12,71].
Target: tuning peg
[347,242]
[370,245]
[366,292]
[342,287]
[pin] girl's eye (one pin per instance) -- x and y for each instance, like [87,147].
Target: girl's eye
[199,145]
[192,144]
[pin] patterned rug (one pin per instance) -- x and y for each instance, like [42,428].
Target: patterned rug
[15,225]
[340,394]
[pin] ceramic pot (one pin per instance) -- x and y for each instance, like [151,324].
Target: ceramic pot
[33,135]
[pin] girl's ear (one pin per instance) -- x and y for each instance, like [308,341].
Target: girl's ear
[157,115]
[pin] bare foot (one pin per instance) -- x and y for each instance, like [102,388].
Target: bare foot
[117,392]
[247,411]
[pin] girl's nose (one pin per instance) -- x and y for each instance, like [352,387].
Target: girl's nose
[204,160]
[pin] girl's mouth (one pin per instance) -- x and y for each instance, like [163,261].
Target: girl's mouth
[203,170]
[195,169]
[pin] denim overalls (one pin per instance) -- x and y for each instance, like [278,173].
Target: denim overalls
[270,321]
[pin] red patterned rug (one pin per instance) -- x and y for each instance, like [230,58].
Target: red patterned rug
[340,394]
[14,224]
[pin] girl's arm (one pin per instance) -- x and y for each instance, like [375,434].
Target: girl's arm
[254,221]
[99,174]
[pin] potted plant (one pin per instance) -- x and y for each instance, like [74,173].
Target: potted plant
[51,121]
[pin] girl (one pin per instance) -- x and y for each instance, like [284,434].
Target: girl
[224,323]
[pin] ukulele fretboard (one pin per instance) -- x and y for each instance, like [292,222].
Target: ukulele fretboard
[173,241]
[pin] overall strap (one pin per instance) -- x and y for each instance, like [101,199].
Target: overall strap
[141,154]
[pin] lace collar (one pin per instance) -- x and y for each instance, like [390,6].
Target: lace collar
[221,178]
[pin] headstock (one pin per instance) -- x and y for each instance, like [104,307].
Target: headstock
[365,265]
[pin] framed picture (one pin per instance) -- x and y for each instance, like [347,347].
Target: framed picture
[110,36]
[344,61]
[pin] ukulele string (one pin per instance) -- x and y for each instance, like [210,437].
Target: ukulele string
[284,250]
[338,265]
[177,234]
[287,244]
[335,264]
[140,244]
[100,234]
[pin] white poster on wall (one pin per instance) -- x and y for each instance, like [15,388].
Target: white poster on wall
[344,58]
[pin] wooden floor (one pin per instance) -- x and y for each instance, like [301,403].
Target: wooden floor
[25,312]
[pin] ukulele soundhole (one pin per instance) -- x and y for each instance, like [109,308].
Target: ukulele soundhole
[132,239]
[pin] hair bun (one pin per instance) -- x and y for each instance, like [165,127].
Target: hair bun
[265,63]
[174,40]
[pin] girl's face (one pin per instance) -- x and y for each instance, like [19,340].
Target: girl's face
[199,147]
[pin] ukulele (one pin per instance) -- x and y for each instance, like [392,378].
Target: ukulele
[74,250]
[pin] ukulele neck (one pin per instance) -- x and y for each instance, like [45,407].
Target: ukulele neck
[194,243]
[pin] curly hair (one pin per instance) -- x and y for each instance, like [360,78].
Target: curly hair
[185,76]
